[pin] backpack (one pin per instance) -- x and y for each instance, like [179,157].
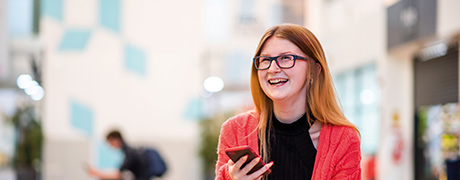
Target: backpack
[156,166]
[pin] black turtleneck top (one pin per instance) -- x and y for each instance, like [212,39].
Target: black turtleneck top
[292,150]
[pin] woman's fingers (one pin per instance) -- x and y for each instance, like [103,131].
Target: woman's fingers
[241,161]
[265,168]
[237,173]
[261,171]
[230,163]
[250,165]
[234,168]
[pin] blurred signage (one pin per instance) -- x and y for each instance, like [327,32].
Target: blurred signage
[410,20]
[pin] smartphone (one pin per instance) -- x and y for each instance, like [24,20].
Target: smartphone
[237,152]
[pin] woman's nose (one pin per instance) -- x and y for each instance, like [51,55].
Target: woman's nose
[274,67]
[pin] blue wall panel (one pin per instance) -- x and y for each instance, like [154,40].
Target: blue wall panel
[109,14]
[82,117]
[135,59]
[52,8]
[75,40]
[194,109]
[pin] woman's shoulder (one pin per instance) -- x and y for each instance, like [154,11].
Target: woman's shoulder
[341,133]
[249,118]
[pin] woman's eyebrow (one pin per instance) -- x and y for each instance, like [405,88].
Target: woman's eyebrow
[264,55]
[286,52]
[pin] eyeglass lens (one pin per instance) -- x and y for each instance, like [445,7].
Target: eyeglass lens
[283,61]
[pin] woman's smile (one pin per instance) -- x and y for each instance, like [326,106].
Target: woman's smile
[277,81]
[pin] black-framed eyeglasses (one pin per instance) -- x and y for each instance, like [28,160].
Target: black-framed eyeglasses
[284,61]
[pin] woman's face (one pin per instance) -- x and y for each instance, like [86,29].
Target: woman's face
[283,84]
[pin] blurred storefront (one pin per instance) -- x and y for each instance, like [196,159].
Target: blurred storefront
[412,47]
[425,34]
[437,114]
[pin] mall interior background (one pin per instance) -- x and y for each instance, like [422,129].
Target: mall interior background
[75,69]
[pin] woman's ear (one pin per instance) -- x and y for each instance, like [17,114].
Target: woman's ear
[318,66]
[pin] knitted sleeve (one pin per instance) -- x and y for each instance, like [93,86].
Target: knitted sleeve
[227,139]
[236,131]
[348,167]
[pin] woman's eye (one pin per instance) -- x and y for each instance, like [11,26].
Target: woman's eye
[264,59]
[286,58]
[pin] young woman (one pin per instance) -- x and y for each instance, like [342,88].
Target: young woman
[297,127]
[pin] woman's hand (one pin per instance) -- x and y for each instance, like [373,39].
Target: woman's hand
[236,173]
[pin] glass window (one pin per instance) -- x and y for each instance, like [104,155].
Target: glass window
[360,97]
[20,17]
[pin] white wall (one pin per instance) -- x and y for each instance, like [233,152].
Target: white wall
[353,34]
[447,19]
[97,75]
[148,109]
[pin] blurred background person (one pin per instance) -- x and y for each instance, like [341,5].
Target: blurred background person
[134,161]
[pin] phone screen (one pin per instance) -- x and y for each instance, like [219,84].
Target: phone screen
[236,153]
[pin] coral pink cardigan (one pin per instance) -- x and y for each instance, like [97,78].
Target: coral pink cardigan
[338,153]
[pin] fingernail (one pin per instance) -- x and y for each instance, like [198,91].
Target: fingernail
[270,163]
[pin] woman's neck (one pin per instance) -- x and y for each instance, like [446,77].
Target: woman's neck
[289,112]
